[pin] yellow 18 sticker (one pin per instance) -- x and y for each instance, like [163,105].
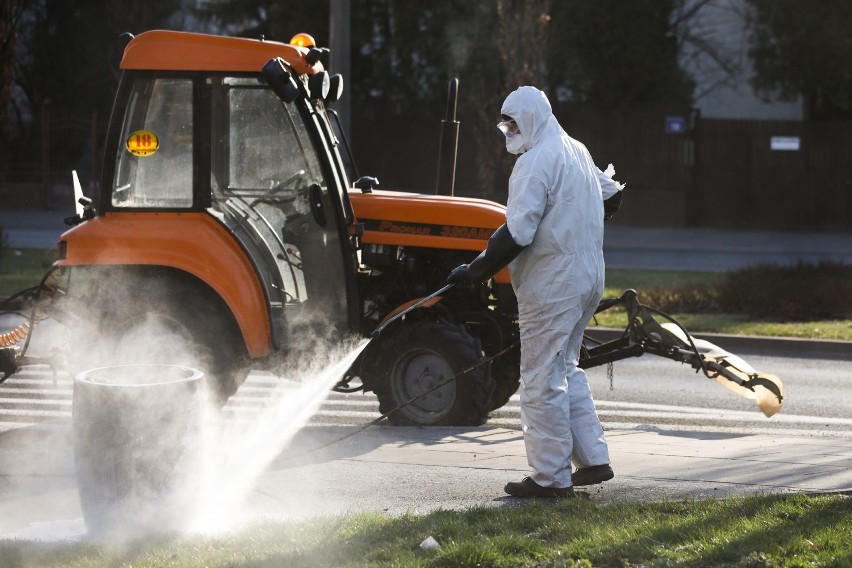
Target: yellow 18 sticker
[142,143]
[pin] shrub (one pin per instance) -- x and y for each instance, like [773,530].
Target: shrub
[804,291]
[686,298]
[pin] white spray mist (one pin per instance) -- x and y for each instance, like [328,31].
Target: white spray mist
[241,455]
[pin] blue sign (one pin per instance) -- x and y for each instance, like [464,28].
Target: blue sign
[675,125]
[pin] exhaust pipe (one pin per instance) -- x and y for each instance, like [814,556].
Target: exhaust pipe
[449,144]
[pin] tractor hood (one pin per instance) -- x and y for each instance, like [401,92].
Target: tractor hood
[426,220]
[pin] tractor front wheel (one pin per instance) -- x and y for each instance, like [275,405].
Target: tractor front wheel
[419,370]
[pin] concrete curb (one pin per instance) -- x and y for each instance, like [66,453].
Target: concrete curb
[775,346]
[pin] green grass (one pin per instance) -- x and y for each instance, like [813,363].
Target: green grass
[759,531]
[737,324]
[619,280]
[22,268]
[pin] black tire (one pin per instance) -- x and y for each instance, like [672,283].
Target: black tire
[195,337]
[166,322]
[418,356]
[495,337]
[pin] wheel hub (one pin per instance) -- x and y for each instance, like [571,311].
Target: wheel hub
[422,373]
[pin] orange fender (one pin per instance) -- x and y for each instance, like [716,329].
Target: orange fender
[195,243]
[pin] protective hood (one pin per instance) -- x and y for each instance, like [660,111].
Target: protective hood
[532,112]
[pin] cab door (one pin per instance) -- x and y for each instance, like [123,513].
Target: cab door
[273,190]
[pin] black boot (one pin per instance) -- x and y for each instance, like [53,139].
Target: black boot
[528,488]
[592,475]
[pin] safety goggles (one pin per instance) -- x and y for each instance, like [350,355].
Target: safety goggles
[509,128]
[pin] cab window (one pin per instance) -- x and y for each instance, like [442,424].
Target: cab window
[154,165]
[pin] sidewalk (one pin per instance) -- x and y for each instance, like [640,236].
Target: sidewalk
[395,470]
[39,229]
[426,468]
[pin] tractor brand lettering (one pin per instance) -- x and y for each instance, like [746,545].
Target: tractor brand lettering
[408,229]
[450,231]
[142,143]
[466,232]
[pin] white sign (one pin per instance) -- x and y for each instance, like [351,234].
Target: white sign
[785,143]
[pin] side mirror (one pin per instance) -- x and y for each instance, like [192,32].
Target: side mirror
[82,204]
[319,84]
[366,184]
[335,90]
[281,80]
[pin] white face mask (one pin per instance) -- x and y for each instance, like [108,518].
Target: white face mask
[515,143]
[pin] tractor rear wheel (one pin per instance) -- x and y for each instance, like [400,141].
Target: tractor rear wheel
[164,321]
[419,361]
[187,335]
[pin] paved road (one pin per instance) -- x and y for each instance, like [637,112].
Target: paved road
[715,250]
[817,393]
[649,390]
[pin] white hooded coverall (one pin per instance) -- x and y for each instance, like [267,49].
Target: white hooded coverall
[555,206]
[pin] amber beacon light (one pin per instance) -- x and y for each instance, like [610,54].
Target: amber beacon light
[303,40]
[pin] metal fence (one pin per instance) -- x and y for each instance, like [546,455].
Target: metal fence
[681,170]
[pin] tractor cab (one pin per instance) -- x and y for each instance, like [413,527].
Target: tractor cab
[224,144]
[189,145]
[223,211]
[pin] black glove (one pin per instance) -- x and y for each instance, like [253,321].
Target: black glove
[612,205]
[459,275]
[501,250]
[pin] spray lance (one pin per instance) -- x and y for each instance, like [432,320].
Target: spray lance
[407,310]
[342,384]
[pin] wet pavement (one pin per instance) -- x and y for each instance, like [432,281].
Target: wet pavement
[397,470]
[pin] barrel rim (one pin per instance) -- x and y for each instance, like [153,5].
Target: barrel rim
[193,375]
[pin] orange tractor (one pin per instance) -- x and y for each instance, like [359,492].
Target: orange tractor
[228,226]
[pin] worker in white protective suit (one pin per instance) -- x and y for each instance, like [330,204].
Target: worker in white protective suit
[552,242]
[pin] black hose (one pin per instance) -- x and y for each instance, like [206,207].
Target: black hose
[41,284]
[6,303]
